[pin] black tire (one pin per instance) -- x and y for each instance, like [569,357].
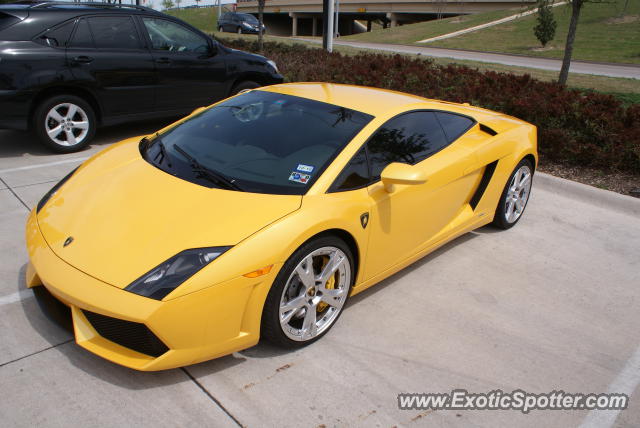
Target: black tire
[243,86]
[41,123]
[500,219]
[239,30]
[270,325]
[220,29]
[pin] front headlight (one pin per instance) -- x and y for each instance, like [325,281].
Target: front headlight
[163,279]
[273,64]
[53,191]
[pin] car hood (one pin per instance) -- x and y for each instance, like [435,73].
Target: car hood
[126,216]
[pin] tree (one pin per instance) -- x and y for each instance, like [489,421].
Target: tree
[260,29]
[576,7]
[198,2]
[167,4]
[545,30]
[178,3]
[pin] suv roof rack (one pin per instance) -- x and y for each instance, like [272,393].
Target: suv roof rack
[45,4]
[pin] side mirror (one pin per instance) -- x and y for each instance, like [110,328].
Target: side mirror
[401,173]
[213,47]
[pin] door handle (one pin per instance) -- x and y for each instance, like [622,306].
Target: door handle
[163,60]
[83,59]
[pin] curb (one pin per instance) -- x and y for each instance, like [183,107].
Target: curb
[589,194]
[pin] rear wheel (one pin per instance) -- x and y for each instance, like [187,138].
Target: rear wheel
[239,30]
[514,196]
[309,293]
[65,123]
[220,29]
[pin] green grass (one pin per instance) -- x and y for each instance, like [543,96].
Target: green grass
[628,90]
[205,19]
[407,34]
[602,35]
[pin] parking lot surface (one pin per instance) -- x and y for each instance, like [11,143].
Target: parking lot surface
[552,304]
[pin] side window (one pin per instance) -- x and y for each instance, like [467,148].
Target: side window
[82,37]
[114,32]
[355,175]
[59,36]
[454,125]
[408,138]
[169,36]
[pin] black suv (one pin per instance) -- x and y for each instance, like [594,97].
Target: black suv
[239,23]
[66,68]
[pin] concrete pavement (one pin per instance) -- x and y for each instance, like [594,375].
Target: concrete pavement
[582,67]
[551,304]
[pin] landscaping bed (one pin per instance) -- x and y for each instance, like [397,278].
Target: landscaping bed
[575,128]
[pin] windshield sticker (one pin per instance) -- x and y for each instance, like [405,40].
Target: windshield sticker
[304,168]
[299,177]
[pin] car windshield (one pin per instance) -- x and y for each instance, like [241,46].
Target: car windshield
[260,142]
[249,18]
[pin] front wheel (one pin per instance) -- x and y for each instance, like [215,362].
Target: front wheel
[244,86]
[65,123]
[514,196]
[309,293]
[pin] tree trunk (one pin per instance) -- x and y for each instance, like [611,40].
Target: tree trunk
[260,17]
[576,6]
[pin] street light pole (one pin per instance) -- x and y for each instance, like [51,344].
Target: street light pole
[337,22]
[219,8]
[330,25]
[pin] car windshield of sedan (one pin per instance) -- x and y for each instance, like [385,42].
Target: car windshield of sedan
[260,142]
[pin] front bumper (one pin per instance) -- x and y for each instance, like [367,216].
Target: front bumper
[206,324]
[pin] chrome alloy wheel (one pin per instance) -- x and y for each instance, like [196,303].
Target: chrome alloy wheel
[67,124]
[315,293]
[518,194]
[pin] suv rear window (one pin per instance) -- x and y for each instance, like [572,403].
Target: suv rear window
[7,20]
[59,36]
[114,32]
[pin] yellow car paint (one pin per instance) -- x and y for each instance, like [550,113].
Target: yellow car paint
[117,208]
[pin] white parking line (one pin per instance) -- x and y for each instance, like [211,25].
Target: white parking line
[43,165]
[15,297]
[625,383]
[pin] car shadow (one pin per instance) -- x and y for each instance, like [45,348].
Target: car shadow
[136,380]
[19,143]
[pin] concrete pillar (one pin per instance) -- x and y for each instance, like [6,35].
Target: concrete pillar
[294,24]
[314,26]
[393,18]
[368,25]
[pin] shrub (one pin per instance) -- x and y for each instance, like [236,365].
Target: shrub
[574,127]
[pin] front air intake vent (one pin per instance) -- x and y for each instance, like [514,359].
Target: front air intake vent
[132,335]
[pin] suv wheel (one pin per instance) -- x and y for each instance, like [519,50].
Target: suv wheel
[239,30]
[220,28]
[65,123]
[244,87]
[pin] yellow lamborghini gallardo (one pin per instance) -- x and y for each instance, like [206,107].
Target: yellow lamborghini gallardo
[260,215]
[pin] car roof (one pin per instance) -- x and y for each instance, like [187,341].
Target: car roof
[373,101]
[69,7]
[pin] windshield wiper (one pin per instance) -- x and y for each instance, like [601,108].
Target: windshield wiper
[162,150]
[207,173]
